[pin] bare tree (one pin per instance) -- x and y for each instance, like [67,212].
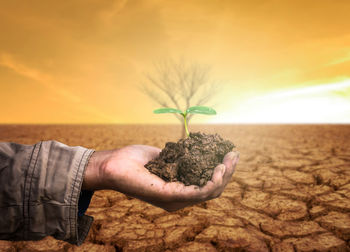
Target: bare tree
[179,85]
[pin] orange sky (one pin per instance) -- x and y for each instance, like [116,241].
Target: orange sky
[82,61]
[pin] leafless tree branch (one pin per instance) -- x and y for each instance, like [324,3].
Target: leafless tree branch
[180,85]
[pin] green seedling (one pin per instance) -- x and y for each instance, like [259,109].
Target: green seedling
[191,110]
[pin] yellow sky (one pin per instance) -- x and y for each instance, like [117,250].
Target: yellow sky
[82,61]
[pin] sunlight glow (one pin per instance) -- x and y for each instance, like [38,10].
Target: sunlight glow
[323,88]
[315,104]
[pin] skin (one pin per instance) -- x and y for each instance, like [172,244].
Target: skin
[123,170]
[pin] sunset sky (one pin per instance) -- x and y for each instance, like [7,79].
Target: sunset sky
[83,61]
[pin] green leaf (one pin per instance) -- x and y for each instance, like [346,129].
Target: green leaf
[167,110]
[201,110]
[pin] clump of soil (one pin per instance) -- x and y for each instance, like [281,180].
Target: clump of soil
[191,160]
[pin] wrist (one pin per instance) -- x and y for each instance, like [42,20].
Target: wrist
[93,176]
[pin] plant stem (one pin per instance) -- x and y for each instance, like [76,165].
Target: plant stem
[188,134]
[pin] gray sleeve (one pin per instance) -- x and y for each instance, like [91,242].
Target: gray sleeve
[39,191]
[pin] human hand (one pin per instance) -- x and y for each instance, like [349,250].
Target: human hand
[123,170]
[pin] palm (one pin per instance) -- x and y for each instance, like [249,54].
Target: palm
[128,175]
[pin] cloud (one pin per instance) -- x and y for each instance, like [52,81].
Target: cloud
[312,90]
[107,15]
[46,80]
[314,104]
[8,61]
[340,60]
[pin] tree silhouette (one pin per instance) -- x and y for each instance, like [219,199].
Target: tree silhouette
[179,85]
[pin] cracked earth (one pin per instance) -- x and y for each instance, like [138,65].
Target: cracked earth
[290,192]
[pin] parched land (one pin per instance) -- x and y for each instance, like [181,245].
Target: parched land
[290,192]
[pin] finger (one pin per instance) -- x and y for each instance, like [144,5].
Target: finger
[188,193]
[230,161]
[177,192]
[218,174]
[214,184]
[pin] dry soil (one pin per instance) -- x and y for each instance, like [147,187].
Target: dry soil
[290,192]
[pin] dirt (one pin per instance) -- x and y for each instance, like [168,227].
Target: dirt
[290,192]
[191,160]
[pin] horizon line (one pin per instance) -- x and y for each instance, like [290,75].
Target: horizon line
[174,124]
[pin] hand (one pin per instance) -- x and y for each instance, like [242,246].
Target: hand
[123,170]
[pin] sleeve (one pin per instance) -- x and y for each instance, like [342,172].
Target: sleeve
[84,201]
[40,188]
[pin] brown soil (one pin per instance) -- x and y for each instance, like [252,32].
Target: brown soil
[191,160]
[290,192]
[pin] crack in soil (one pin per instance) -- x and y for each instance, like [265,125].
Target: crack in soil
[286,175]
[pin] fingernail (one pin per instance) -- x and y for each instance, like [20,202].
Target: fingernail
[236,157]
[223,169]
[234,154]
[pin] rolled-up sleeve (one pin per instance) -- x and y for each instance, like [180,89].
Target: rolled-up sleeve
[40,187]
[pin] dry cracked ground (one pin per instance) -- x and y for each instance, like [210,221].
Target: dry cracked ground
[290,192]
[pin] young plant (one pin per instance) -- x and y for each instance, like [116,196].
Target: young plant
[191,110]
